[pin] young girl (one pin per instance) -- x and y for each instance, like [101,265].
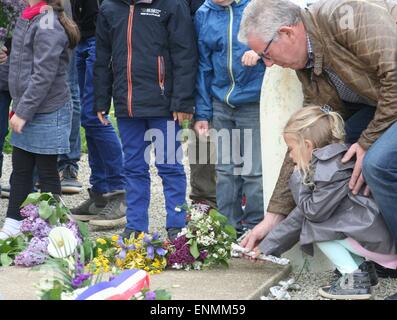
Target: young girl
[41,112]
[348,229]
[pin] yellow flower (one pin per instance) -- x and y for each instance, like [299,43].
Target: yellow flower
[141,236]
[101,241]
[100,251]
[115,238]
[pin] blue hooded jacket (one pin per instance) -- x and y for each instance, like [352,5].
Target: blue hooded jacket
[221,74]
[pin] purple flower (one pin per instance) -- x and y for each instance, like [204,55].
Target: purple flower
[203,255]
[73,226]
[182,256]
[34,254]
[150,295]
[79,280]
[40,228]
[161,252]
[30,211]
[124,248]
[27,225]
[155,236]
[150,252]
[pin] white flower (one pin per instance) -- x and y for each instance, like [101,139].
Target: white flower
[72,295]
[215,256]
[62,242]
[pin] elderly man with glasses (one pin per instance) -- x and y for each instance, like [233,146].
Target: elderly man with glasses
[345,55]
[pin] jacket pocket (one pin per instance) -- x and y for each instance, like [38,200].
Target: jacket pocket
[161,73]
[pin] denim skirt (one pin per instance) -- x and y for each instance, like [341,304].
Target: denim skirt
[46,133]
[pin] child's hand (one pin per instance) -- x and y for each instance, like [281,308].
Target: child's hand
[201,127]
[182,116]
[3,55]
[17,124]
[250,58]
[101,117]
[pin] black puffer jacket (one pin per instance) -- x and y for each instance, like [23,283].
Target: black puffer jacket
[84,14]
[146,58]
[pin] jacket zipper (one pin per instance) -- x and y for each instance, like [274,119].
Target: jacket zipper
[161,73]
[230,57]
[129,59]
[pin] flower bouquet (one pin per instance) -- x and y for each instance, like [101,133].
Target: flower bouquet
[204,243]
[10,10]
[43,213]
[146,252]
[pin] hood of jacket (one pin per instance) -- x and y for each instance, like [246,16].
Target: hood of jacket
[236,3]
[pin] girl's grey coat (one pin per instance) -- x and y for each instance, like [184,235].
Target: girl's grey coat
[329,211]
[38,67]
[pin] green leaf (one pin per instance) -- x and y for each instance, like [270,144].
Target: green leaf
[218,216]
[162,295]
[194,250]
[229,229]
[45,210]
[224,263]
[5,260]
[83,228]
[32,198]
[53,219]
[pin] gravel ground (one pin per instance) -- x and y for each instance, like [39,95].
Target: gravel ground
[157,212]
[310,282]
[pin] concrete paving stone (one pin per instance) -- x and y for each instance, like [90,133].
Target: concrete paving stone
[243,280]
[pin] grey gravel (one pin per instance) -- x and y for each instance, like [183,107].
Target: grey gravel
[310,282]
[157,213]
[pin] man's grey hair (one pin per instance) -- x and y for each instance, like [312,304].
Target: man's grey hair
[263,18]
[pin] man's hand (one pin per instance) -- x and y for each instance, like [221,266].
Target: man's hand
[357,180]
[102,117]
[17,124]
[182,116]
[250,58]
[201,128]
[252,240]
[3,55]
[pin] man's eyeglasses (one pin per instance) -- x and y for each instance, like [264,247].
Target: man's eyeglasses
[264,54]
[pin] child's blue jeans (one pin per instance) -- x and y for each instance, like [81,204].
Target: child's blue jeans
[169,154]
[104,149]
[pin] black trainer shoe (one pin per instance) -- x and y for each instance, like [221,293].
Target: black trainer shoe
[90,208]
[173,233]
[113,215]
[5,191]
[69,182]
[366,266]
[384,272]
[127,233]
[352,286]
[393,297]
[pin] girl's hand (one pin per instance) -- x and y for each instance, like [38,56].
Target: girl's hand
[250,58]
[17,124]
[182,116]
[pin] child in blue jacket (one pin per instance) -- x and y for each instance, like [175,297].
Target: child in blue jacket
[229,84]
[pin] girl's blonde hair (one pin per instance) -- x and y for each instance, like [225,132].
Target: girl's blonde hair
[319,125]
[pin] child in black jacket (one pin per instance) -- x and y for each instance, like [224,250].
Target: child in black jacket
[146,62]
